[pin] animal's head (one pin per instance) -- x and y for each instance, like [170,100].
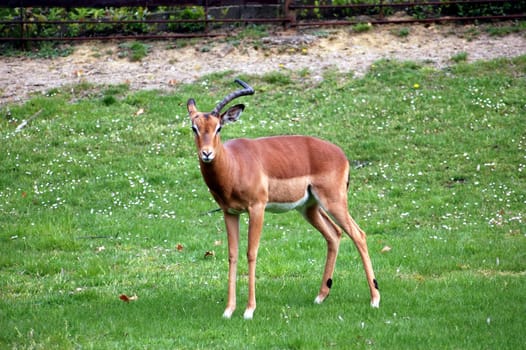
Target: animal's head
[207,126]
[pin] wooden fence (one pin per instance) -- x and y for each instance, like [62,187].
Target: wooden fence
[215,17]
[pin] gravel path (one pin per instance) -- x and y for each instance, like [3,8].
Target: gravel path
[165,67]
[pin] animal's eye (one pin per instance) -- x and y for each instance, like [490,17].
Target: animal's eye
[194,129]
[218,129]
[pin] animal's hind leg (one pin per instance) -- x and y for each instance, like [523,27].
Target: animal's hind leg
[332,234]
[342,217]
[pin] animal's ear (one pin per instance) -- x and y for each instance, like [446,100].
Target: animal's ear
[232,114]
[191,106]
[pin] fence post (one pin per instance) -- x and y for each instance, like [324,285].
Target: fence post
[23,42]
[206,16]
[290,14]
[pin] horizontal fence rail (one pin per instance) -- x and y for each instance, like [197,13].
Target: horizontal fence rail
[23,21]
[129,3]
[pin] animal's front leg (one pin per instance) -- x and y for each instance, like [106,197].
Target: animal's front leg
[255,226]
[232,228]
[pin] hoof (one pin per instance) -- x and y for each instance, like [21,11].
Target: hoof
[375,303]
[249,314]
[319,299]
[228,313]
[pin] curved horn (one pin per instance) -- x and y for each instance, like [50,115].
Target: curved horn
[247,90]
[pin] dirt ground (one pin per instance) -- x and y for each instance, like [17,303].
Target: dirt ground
[169,63]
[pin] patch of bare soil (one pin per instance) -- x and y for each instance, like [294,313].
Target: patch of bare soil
[164,66]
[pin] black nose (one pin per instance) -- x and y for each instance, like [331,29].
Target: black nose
[207,154]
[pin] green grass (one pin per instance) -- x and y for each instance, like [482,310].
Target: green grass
[460,57]
[361,27]
[401,32]
[100,195]
[506,29]
[134,51]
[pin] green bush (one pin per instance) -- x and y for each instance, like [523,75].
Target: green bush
[100,28]
[187,13]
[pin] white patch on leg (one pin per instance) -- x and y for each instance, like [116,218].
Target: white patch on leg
[375,303]
[228,313]
[249,314]
[318,300]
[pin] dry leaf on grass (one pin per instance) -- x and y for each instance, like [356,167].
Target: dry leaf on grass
[127,299]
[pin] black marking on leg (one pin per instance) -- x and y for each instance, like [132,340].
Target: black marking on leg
[375,284]
[329,283]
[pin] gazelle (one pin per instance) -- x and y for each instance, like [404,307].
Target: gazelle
[275,174]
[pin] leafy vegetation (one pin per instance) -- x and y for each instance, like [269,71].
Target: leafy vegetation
[107,242]
[344,9]
[460,57]
[361,27]
[134,51]
[95,21]
[401,32]
[187,13]
[506,29]
[142,20]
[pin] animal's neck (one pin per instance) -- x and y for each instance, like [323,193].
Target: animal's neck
[217,172]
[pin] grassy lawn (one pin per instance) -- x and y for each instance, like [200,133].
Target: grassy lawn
[101,196]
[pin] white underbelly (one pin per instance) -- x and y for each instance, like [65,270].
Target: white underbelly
[282,207]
